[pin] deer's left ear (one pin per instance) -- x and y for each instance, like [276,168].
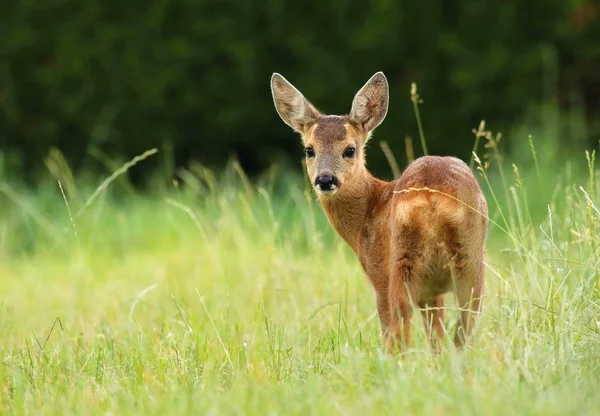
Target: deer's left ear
[370,104]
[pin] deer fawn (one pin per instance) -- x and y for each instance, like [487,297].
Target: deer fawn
[417,237]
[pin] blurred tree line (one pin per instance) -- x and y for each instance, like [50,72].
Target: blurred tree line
[115,78]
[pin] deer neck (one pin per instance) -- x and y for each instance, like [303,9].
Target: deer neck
[349,209]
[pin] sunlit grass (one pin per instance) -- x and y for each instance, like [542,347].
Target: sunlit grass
[216,296]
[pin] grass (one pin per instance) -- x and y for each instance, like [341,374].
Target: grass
[217,296]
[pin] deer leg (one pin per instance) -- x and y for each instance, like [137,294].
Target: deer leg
[399,327]
[433,320]
[469,292]
[383,310]
[400,296]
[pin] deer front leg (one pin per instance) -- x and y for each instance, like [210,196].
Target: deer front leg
[433,320]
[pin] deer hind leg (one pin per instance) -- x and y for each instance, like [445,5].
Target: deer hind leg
[467,269]
[469,292]
[433,320]
[401,292]
[383,310]
[398,331]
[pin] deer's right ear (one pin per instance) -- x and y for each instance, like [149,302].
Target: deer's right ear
[292,107]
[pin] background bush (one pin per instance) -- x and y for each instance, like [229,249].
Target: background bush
[115,78]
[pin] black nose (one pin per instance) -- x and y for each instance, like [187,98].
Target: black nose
[326,182]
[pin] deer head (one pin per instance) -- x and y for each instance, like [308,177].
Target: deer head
[334,145]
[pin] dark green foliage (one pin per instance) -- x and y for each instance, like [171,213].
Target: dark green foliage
[125,76]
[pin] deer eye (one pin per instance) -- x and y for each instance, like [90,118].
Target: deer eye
[310,152]
[349,152]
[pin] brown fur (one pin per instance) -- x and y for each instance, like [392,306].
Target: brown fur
[414,244]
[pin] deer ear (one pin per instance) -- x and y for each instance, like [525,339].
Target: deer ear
[370,104]
[295,110]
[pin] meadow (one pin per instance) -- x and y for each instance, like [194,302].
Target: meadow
[216,295]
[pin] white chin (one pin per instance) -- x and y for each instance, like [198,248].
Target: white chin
[327,192]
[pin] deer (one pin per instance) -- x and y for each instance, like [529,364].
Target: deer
[417,237]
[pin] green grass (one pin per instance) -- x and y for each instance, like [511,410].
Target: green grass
[220,297]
